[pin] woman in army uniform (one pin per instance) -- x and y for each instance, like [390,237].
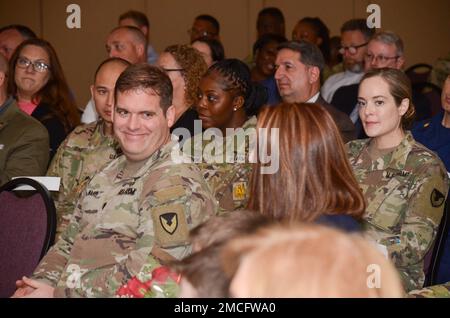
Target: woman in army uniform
[403,182]
[228,103]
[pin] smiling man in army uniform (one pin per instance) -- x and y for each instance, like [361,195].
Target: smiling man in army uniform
[141,206]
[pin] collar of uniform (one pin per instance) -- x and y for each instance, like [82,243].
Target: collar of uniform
[98,137]
[397,158]
[159,156]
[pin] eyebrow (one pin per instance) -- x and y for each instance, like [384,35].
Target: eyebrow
[379,96]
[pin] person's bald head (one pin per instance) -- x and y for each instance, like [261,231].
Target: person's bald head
[128,43]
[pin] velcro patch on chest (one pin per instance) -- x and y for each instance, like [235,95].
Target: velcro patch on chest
[239,191]
[170,193]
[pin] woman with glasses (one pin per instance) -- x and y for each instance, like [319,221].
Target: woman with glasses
[404,183]
[185,67]
[38,83]
[228,103]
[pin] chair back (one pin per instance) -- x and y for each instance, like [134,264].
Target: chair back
[419,73]
[437,250]
[28,226]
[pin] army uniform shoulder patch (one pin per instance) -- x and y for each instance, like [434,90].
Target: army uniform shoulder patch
[170,225]
[437,198]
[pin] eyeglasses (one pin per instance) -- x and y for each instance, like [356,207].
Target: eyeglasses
[199,34]
[173,69]
[351,49]
[379,58]
[38,66]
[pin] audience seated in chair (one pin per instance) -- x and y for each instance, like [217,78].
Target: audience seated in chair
[299,65]
[142,205]
[47,96]
[125,42]
[24,141]
[309,178]
[11,36]
[404,183]
[228,103]
[89,147]
[355,34]
[202,274]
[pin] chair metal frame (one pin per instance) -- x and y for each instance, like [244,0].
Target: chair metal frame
[438,248]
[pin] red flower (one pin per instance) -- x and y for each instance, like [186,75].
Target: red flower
[137,288]
[161,274]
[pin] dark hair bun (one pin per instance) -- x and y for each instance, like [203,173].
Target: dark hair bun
[256,98]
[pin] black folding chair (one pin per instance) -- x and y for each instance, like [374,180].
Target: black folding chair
[438,248]
[28,227]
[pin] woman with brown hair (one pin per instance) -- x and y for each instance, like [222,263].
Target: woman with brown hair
[185,67]
[314,181]
[38,83]
[404,183]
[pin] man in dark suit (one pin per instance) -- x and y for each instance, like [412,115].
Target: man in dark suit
[298,68]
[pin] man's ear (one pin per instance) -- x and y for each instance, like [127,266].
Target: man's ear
[404,106]
[92,91]
[400,62]
[238,103]
[144,30]
[319,41]
[2,79]
[313,74]
[170,116]
[140,49]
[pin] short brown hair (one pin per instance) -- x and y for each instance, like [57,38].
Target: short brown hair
[218,229]
[314,175]
[193,65]
[144,76]
[399,87]
[138,17]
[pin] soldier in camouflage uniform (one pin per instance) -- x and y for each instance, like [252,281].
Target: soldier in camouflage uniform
[435,291]
[89,147]
[140,207]
[228,99]
[404,183]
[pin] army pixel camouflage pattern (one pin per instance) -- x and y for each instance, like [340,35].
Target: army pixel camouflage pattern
[436,291]
[228,181]
[127,212]
[405,193]
[84,152]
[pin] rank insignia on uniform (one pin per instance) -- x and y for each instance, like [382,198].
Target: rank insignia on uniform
[437,198]
[239,191]
[169,222]
[426,125]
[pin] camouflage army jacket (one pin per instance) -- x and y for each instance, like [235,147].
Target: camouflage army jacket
[435,291]
[405,192]
[127,213]
[224,163]
[84,152]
